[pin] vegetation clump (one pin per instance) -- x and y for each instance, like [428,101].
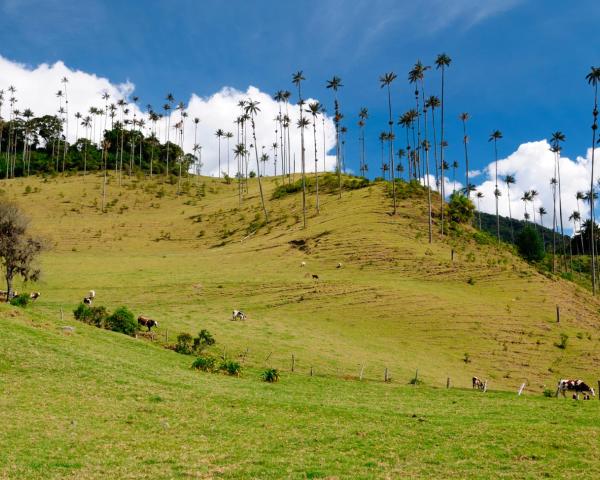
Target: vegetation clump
[206,364]
[460,209]
[231,367]
[122,321]
[270,375]
[530,245]
[21,300]
[188,345]
[91,315]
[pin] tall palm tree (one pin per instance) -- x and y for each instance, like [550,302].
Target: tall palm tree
[382,139]
[432,103]
[239,152]
[279,98]
[510,180]
[363,116]
[314,108]
[442,62]
[534,194]
[464,117]
[416,75]
[593,78]
[64,81]
[454,167]
[575,217]
[426,147]
[220,133]
[228,136]
[386,81]
[297,79]
[525,199]
[542,211]
[479,196]
[335,84]
[557,138]
[251,108]
[495,136]
[167,107]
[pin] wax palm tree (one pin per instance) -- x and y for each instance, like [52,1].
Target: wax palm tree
[335,84]
[495,136]
[415,75]
[557,138]
[220,133]
[228,136]
[432,103]
[442,62]
[525,199]
[167,107]
[386,81]
[363,116]
[454,167]
[479,196]
[239,152]
[542,211]
[251,108]
[575,217]
[426,147]
[534,194]
[314,108]
[400,153]
[297,79]
[510,180]
[382,139]
[464,117]
[593,78]
[279,98]
[65,81]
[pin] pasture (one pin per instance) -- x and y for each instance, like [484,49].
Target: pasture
[95,404]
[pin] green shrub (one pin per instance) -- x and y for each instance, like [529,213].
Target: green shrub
[122,321]
[92,315]
[231,367]
[460,209]
[270,375]
[206,364]
[21,300]
[203,340]
[530,245]
[184,344]
[549,393]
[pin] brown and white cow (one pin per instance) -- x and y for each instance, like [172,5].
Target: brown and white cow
[478,383]
[147,322]
[577,386]
[34,295]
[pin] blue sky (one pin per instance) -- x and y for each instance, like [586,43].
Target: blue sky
[518,65]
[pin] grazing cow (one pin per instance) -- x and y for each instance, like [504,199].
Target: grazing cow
[144,321]
[91,294]
[303,264]
[238,315]
[315,277]
[478,384]
[34,295]
[87,301]
[339,265]
[577,386]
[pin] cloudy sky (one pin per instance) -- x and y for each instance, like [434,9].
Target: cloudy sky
[516,67]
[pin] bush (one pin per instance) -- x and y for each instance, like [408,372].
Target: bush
[92,315]
[530,245]
[21,300]
[184,344]
[270,375]
[203,340]
[122,321]
[231,367]
[460,209]
[206,364]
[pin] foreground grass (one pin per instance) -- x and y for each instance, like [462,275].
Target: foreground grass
[94,404]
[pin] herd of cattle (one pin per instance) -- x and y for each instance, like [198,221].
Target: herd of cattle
[577,386]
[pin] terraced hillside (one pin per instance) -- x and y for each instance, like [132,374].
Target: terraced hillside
[397,302]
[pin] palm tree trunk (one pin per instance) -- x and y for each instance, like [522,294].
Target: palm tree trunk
[496,196]
[316,160]
[262,197]
[562,231]
[592,217]
[512,231]
[391,140]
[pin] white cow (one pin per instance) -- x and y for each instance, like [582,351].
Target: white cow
[238,315]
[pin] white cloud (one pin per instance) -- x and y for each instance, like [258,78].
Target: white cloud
[37,88]
[533,167]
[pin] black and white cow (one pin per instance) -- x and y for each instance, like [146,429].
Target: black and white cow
[238,315]
[34,295]
[578,386]
[87,301]
[144,321]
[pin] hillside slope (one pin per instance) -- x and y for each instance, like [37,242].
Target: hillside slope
[397,302]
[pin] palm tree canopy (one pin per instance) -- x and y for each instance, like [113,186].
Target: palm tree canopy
[298,77]
[495,135]
[387,78]
[593,77]
[364,113]
[464,116]
[509,179]
[432,102]
[442,60]
[334,83]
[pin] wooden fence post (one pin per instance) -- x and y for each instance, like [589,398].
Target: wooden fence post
[448,382]
[293,362]
[522,388]
[385,375]
[452,255]
[166,335]
[598,390]
[311,371]
[557,314]
[62,314]
[362,369]
[268,356]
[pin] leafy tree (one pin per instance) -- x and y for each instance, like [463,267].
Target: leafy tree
[460,209]
[123,321]
[18,250]
[530,244]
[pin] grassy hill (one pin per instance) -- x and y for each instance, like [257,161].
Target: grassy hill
[95,403]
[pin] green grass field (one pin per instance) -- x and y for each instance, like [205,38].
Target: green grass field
[95,404]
